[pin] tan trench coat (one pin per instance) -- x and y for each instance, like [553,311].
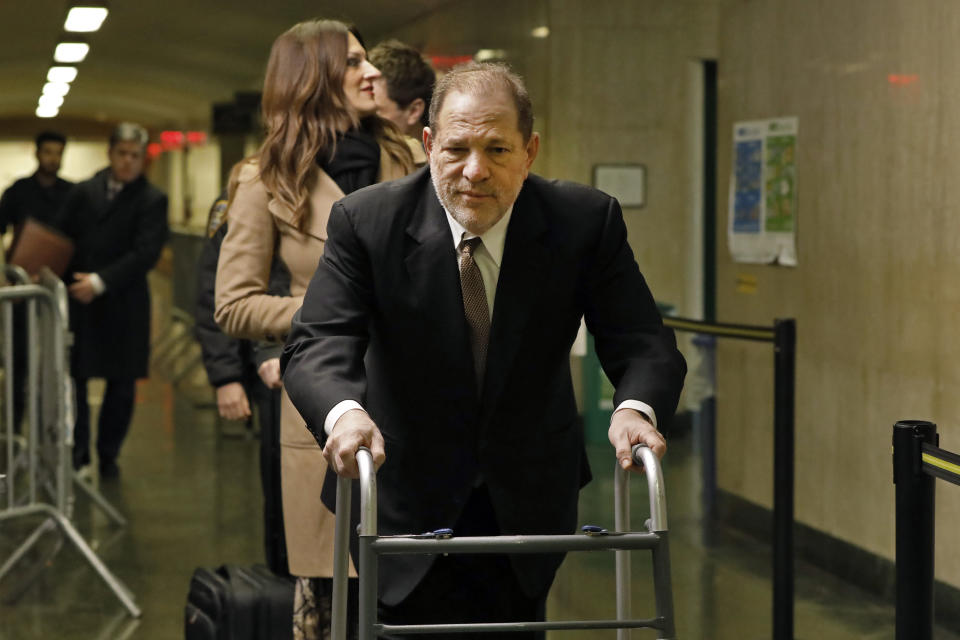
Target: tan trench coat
[258,226]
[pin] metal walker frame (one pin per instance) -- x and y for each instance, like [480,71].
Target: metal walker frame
[622,541]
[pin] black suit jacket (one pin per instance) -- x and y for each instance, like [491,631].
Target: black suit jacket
[119,239]
[382,323]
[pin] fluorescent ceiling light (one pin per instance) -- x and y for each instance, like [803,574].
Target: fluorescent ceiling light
[541,32]
[51,101]
[85,19]
[62,74]
[71,51]
[47,112]
[56,89]
[484,55]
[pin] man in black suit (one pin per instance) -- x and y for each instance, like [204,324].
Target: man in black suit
[118,223]
[450,359]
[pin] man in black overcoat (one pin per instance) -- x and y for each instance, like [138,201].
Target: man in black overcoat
[118,222]
[437,331]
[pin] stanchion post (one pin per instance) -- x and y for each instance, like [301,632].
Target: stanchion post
[784,349]
[915,492]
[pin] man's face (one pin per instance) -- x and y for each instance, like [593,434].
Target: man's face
[126,160]
[478,159]
[49,156]
[386,107]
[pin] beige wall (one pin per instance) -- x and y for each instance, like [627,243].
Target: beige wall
[875,293]
[81,159]
[620,93]
[609,85]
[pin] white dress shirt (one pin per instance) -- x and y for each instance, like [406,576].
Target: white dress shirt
[488,257]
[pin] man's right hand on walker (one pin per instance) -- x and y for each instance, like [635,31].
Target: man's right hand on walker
[354,429]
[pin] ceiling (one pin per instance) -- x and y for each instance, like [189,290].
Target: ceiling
[164,62]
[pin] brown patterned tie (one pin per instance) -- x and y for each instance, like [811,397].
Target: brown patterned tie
[474,305]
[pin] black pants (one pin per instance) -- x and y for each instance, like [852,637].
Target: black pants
[113,424]
[274,539]
[461,588]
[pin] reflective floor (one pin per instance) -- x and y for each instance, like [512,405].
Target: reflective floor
[191,494]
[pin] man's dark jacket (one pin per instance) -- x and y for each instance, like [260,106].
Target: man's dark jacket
[227,359]
[27,198]
[382,323]
[120,240]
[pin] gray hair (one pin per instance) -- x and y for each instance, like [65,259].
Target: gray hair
[481,78]
[129,132]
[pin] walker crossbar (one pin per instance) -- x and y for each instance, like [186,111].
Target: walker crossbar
[622,541]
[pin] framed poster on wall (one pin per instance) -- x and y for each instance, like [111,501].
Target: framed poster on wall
[625,182]
[763,192]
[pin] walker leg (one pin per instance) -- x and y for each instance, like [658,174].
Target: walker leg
[663,588]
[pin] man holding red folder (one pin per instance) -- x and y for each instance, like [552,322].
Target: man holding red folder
[37,197]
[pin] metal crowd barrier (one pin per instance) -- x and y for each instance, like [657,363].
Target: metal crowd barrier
[41,459]
[177,338]
[917,463]
[622,540]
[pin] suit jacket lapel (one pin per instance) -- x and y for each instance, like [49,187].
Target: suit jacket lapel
[101,206]
[431,263]
[525,262]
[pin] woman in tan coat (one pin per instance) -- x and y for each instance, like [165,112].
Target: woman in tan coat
[323,140]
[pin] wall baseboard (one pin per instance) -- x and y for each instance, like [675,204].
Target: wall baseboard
[869,571]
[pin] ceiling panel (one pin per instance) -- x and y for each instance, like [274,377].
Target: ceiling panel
[163,62]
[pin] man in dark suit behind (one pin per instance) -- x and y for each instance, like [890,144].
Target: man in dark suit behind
[450,359]
[118,222]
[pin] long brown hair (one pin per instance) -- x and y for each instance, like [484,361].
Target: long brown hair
[304,107]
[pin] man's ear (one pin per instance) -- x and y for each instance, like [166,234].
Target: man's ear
[427,140]
[414,111]
[533,148]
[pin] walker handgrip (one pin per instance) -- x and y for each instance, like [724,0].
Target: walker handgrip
[368,493]
[643,455]
[368,526]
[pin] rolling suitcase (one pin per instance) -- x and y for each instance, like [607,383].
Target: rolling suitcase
[239,603]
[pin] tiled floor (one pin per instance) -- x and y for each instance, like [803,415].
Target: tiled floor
[192,499]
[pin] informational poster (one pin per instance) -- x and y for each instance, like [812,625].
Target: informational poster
[763,192]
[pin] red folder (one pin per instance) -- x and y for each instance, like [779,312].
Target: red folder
[36,245]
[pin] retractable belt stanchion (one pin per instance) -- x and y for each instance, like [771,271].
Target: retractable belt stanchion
[45,468]
[783,336]
[917,462]
[623,541]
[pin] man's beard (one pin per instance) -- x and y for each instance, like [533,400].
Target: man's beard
[466,216]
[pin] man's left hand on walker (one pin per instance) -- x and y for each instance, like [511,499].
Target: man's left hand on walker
[629,427]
